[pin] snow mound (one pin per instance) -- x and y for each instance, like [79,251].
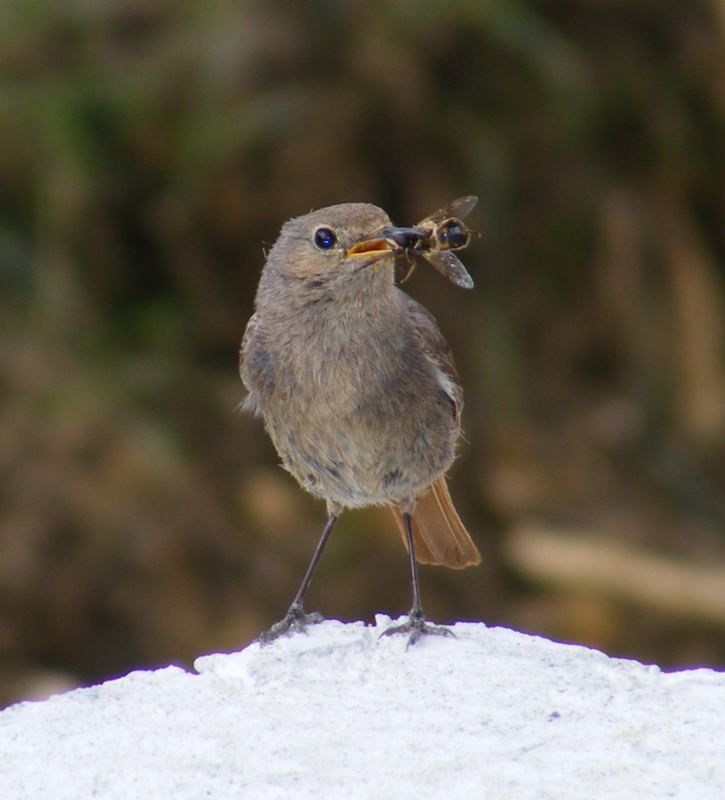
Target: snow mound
[340,713]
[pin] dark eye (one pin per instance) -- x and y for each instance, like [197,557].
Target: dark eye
[324,238]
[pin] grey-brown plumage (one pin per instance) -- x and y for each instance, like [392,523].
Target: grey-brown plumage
[355,384]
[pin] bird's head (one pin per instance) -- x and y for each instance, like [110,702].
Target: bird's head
[345,249]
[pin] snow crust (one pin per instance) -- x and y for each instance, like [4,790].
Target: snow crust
[340,713]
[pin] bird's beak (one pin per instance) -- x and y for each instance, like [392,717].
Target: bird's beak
[391,238]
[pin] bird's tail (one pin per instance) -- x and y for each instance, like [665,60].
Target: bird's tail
[439,536]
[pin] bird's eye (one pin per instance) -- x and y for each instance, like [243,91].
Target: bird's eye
[324,238]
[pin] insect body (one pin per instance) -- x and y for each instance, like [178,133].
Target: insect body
[436,237]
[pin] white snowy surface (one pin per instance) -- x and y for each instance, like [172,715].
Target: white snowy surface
[339,713]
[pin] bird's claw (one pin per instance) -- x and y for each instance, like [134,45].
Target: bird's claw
[416,626]
[295,621]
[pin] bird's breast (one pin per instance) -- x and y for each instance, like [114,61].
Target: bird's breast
[357,411]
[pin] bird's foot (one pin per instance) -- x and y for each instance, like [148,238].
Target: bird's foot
[295,621]
[415,627]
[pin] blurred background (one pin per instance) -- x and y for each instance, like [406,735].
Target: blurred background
[150,149]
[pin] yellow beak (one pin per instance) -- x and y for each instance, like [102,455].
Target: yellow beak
[370,247]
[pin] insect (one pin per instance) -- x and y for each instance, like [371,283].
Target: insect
[436,237]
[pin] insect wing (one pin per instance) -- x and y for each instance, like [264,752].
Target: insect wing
[448,264]
[463,206]
[460,208]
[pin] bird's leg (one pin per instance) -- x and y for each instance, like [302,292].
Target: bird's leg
[296,619]
[416,626]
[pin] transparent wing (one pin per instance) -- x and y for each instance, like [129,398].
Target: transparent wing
[461,207]
[449,265]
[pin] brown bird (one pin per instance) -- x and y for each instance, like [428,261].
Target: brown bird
[357,389]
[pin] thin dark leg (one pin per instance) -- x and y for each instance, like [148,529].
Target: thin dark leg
[416,625]
[417,609]
[296,619]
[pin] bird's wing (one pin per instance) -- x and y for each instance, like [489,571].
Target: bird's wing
[250,401]
[436,347]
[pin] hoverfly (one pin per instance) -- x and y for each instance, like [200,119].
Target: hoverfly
[436,237]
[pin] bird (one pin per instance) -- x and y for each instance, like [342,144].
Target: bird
[357,390]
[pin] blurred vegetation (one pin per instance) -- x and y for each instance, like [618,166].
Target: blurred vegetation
[148,151]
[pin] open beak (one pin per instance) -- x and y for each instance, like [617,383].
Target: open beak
[370,247]
[391,238]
